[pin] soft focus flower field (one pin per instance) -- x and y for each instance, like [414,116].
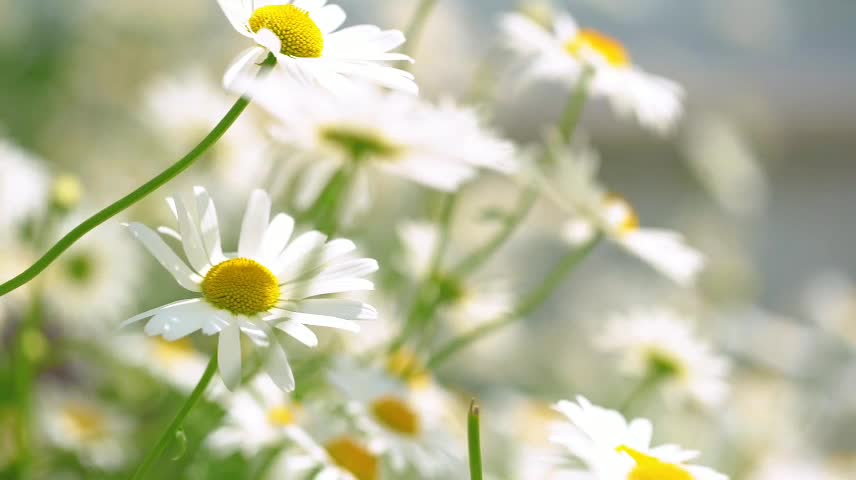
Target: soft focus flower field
[426,239]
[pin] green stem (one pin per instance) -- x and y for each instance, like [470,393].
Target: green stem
[170,432]
[95,220]
[325,211]
[642,389]
[474,442]
[576,105]
[527,306]
[475,260]
[417,23]
[26,353]
[426,299]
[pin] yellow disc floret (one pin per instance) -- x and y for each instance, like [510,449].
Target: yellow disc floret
[282,416]
[241,286]
[396,415]
[620,215]
[354,458]
[607,47]
[650,468]
[298,33]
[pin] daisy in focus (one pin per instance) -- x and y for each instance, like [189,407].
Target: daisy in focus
[660,344]
[272,281]
[406,420]
[571,181]
[302,35]
[566,53]
[611,448]
[439,146]
[93,431]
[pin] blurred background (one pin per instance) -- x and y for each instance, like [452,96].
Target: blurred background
[760,176]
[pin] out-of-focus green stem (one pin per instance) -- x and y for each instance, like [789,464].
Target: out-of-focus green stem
[474,442]
[170,432]
[29,347]
[576,105]
[645,386]
[417,23]
[123,203]
[527,306]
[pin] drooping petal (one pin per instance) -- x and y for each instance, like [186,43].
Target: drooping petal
[243,65]
[312,288]
[276,362]
[300,332]
[229,355]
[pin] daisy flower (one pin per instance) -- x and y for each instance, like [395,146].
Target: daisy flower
[440,146]
[611,448]
[564,52]
[24,185]
[95,283]
[271,282]
[340,457]
[303,37]
[571,182]
[94,432]
[258,415]
[407,421]
[470,301]
[659,342]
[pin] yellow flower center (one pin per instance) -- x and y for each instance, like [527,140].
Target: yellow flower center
[650,468]
[298,33]
[85,422]
[282,416]
[171,353]
[404,365]
[607,47]
[241,286]
[354,458]
[359,142]
[619,215]
[396,415]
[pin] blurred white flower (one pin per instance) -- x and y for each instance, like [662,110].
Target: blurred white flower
[93,285]
[269,282]
[611,448]
[571,182]
[658,342]
[407,421]
[792,466]
[93,431]
[24,186]
[564,52]
[469,301]
[724,163]
[342,457]
[179,363]
[302,35]
[440,146]
[259,415]
[183,109]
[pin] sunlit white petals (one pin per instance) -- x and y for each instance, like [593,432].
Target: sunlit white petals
[24,185]
[334,60]
[660,342]
[264,284]
[563,52]
[667,252]
[612,448]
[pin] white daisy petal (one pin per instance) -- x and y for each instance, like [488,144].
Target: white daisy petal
[229,355]
[255,222]
[244,65]
[297,256]
[329,18]
[338,307]
[277,364]
[209,225]
[300,290]
[300,332]
[276,237]
[323,321]
[167,258]
[191,238]
[154,311]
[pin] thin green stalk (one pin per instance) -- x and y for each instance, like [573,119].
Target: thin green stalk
[170,432]
[642,389]
[576,105]
[475,260]
[417,23]
[27,351]
[325,211]
[474,442]
[125,202]
[527,306]
[426,299]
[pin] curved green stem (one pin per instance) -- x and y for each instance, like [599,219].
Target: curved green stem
[474,442]
[527,306]
[90,223]
[170,432]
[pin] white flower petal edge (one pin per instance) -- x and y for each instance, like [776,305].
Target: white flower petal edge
[359,51]
[303,268]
